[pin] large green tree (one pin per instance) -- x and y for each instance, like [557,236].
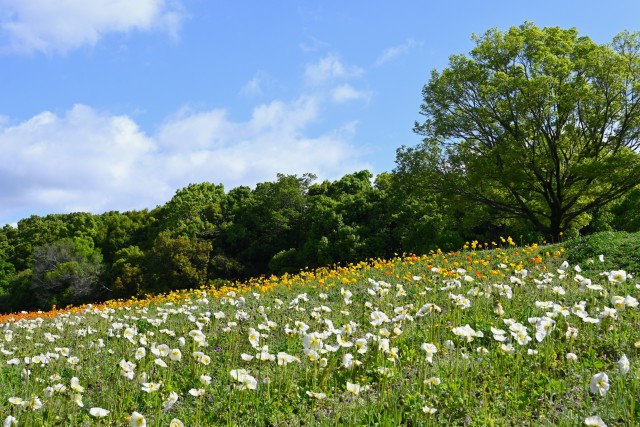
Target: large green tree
[537,123]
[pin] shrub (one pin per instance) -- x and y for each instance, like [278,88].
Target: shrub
[621,249]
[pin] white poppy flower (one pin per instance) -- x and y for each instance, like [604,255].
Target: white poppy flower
[98,412]
[599,384]
[137,420]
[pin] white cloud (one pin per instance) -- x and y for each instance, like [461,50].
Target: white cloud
[208,146]
[259,84]
[252,87]
[395,51]
[83,160]
[86,160]
[57,26]
[346,93]
[313,45]
[328,68]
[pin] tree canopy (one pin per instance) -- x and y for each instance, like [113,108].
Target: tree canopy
[540,124]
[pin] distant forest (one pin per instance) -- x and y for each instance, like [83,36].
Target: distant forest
[206,235]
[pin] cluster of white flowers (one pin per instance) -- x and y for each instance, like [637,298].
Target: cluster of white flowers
[150,349]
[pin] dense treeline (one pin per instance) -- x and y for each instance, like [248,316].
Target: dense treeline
[206,235]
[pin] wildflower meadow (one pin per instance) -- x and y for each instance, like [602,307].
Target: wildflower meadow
[477,337]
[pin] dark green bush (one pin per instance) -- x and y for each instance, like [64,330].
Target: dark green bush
[621,251]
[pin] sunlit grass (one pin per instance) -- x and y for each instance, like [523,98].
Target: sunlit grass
[477,337]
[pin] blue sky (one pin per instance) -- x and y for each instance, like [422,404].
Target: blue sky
[116,104]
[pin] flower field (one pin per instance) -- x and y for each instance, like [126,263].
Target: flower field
[509,336]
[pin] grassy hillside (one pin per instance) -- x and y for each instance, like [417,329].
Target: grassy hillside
[509,336]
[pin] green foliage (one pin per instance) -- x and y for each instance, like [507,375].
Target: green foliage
[539,124]
[17,293]
[65,272]
[347,220]
[285,261]
[176,263]
[194,210]
[268,221]
[622,251]
[6,272]
[625,212]
[120,230]
[6,268]
[425,218]
[34,232]
[128,273]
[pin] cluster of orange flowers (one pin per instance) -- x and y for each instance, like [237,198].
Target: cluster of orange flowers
[398,267]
